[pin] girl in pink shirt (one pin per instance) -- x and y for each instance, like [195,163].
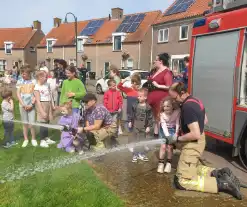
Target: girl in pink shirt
[169,125]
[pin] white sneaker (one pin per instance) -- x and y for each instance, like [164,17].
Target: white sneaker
[160,168]
[168,168]
[25,143]
[34,142]
[44,144]
[49,141]
[72,151]
[81,152]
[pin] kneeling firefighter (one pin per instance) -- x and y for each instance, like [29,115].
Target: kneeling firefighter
[190,174]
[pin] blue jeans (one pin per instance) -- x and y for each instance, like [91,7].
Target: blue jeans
[162,134]
[8,131]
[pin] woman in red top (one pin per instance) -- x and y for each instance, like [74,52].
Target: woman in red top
[162,80]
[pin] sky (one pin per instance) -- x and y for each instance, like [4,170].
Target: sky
[22,13]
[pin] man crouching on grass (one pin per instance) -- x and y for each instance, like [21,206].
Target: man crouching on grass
[99,125]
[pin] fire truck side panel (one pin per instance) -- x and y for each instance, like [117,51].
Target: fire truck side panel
[213,78]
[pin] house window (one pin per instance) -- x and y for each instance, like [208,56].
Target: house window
[88,65]
[163,35]
[122,64]
[130,64]
[49,44]
[117,45]
[80,45]
[184,30]
[3,65]
[72,62]
[8,48]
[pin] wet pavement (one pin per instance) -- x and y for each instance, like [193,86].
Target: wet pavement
[141,186]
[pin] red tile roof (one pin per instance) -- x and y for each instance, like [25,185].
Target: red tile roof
[196,9]
[20,36]
[65,32]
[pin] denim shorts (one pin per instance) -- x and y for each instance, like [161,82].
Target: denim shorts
[162,135]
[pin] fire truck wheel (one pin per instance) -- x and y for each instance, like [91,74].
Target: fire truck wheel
[243,151]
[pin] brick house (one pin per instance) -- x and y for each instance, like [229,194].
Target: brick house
[18,45]
[172,30]
[122,40]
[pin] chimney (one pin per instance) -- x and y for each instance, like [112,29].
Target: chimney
[117,13]
[109,18]
[57,22]
[37,25]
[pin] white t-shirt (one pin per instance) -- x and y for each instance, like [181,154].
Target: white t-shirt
[44,91]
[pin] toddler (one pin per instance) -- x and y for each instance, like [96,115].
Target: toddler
[113,101]
[140,120]
[8,117]
[69,119]
[169,125]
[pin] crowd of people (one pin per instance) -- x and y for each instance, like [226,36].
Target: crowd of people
[162,103]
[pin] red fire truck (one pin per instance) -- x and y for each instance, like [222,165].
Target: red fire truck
[218,73]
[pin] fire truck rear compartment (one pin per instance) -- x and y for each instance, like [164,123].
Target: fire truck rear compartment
[213,78]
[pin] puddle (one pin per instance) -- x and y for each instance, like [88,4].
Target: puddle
[140,186]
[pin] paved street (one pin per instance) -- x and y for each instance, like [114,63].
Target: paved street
[217,155]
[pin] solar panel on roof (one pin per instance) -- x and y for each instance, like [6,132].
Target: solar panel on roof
[130,23]
[92,27]
[179,6]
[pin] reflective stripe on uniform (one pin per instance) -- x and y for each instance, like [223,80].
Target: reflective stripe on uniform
[200,186]
[203,170]
[193,184]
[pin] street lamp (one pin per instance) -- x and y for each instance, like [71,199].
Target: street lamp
[66,21]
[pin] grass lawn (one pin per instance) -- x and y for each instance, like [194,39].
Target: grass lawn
[73,185]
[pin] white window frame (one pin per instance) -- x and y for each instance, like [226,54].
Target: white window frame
[3,65]
[90,64]
[122,64]
[128,66]
[72,60]
[162,39]
[53,41]
[177,57]
[180,32]
[122,37]
[11,46]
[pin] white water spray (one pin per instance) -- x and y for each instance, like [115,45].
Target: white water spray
[60,162]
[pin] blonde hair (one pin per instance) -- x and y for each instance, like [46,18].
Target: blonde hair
[136,79]
[39,74]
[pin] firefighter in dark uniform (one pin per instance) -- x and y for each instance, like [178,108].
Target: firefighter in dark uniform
[190,174]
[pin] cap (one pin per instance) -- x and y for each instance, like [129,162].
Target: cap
[89,97]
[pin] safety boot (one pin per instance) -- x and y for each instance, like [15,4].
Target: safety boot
[225,184]
[220,172]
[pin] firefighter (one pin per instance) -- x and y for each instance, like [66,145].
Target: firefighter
[190,174]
